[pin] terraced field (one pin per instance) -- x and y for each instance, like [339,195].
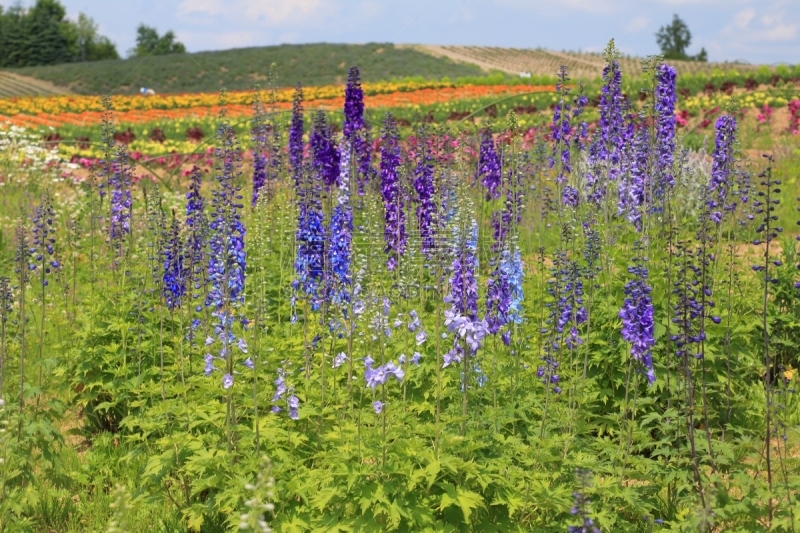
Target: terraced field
[12,85]
[547,62]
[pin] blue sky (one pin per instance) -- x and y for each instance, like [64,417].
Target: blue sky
[759,31]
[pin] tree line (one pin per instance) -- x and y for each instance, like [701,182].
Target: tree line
[43,35]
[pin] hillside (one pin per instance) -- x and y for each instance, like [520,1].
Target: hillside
[546,62]
[240,69]
[12,84]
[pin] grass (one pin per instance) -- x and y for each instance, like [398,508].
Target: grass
[240,69]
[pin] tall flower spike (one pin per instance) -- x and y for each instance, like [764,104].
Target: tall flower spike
[722,167]
[394,231]
[259,137]
[356,129]
[325,162]
[489,173]
[176,270]
[665,128]
[638,322]
[426,206]
[341,236]
[43,255]
[296,138]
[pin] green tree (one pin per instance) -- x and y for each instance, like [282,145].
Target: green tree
[87,44]
[675,38]
[148,42]
[46,41]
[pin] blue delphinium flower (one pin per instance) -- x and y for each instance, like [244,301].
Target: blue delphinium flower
[634,186]
[638,322]
[176,271]
[489,172]
[281,390]
[120,205]
[42,252]
[693,296]
[341,236]
[394,232]
[426,205]
[606,151]
[722,167]
[227,256]
[580,509]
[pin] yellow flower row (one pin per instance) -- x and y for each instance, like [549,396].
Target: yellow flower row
[700,102]
[79,104]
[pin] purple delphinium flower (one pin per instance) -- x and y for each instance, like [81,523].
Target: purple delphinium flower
[638,322]
[394,232]
[356,129]
[259,138]
[489,172]
[560,129]
[196,252]
[42,251]
[120,204]
[227,256]
[325,155]
[176,271]
[634,185]
[377,406]
[426,206]
[296,138]
[606,151]
[665,100]
[341,235]
[722,167]
[692,298]
[580,508]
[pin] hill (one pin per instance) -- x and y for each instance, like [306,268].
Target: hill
[241,69]
[12,84]
[547,62]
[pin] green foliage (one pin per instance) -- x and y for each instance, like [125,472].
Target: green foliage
[148,43]
[42,35]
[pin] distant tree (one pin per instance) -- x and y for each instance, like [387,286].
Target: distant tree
[148,42]
[87,44]
[42,35]
[675,38]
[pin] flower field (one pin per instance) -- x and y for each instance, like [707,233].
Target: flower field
[402,307]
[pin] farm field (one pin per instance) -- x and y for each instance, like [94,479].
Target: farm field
[408,305]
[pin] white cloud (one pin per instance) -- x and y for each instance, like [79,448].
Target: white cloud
[273,12]
[743,18]
[637,24]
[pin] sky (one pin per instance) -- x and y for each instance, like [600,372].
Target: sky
[757,31]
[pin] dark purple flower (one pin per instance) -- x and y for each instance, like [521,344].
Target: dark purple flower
[426,206]
[356,129]
[325,155]
[722,167]
[665,128]
[176,271]
[296,137]
[394,231]
[489,173]
[638,322]
[341,235]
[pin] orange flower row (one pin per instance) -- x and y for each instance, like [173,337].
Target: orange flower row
[427,96]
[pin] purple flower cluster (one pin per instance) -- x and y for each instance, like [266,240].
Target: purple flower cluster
[120,205]
[426,205]
[489,172]
[379,375]
[394,231]
[341,236]
[462,317]
[292,402]
[665,128]
[638,322]
[722,167]
[296,138]
[42,252]
[176,271]
[580,509]
[634,185]
[693,296]
[356,129]
[325,155]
